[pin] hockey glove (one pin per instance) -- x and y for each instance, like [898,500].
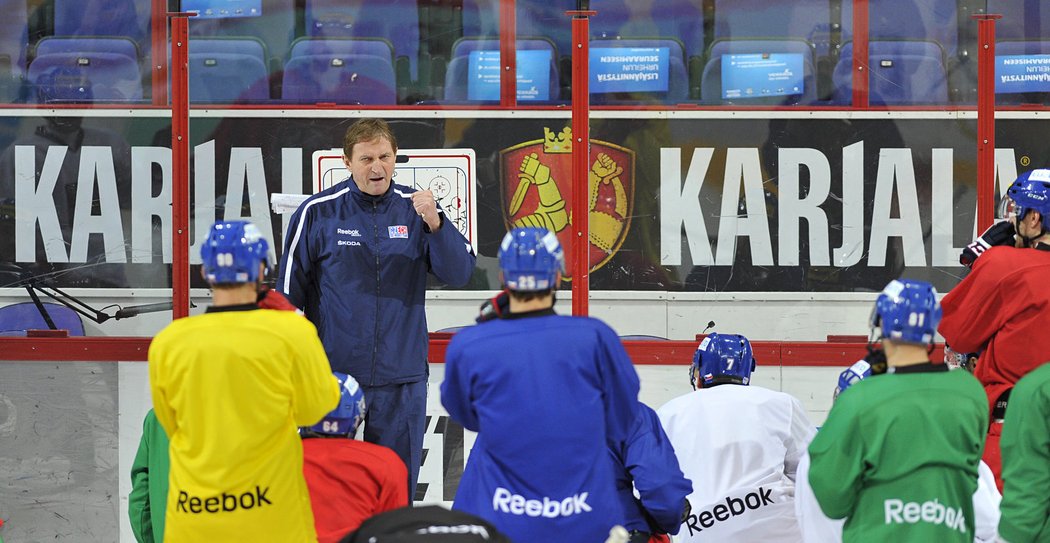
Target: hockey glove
[1000,233]
[494,308]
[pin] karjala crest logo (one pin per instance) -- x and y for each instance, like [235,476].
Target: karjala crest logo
[537,191]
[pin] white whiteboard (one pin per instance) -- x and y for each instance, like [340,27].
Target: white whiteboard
[448,173]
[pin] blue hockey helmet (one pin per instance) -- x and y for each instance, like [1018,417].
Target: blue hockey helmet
[907,311]
[347,416]
[1030,191]
[860,369]
[530,259]
[722,358]
[232,252]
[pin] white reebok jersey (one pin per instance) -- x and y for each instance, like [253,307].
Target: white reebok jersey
[817,528]
[740,446]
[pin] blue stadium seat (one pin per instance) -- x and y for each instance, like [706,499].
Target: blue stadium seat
[1007,48]
[74,44]
[394,20]
[275,28]
[1022,19]
[456,74]
[245,46]
[808,20]
[342,79]
[17,319]
[378,47]
[227,77]
[84,77]
[930,20]
[679,19]
[901,73]
[101,18]
[678,77]
[711,81]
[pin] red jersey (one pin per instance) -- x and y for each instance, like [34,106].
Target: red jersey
[1003,308]
[350,481]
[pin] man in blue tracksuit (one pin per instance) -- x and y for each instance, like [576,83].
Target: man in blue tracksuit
[548,395]
[355,260]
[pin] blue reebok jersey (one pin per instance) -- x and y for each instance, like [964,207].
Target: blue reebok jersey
[547,395]
[357,266]
[649,465]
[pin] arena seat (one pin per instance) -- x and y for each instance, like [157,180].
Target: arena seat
[901,73]
[1008,48]
[227,77]
[808,20]
[342,79]
[342,46]
[73,44]
[457,72]
[275,28]
[679,19]
[100,18]
[678,77]
[711,81]
[930,20]
[18,319]
[84,77]
[397,21]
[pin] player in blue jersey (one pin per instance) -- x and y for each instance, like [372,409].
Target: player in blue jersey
[547,395]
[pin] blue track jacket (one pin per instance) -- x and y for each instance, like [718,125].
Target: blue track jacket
[357,265]
[650,465]
[548,395]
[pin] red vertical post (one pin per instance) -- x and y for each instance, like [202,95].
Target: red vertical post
[860,53]
[508,77]
[581,152]
[985,118]
[159,52]
[180,165]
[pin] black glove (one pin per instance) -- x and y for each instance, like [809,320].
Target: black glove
[494,308]
[1000,233]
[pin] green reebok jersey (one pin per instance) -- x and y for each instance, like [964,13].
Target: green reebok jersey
[898,456]
[1026,460]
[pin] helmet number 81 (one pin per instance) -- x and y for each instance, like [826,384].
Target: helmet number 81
[916,319]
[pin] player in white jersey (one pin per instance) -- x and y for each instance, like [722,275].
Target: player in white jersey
[739,445]
[818,528]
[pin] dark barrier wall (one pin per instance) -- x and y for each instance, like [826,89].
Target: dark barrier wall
[761,201]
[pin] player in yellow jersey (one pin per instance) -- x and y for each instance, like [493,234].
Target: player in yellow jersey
[230,387]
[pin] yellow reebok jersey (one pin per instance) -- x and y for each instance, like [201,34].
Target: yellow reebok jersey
[230,388]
